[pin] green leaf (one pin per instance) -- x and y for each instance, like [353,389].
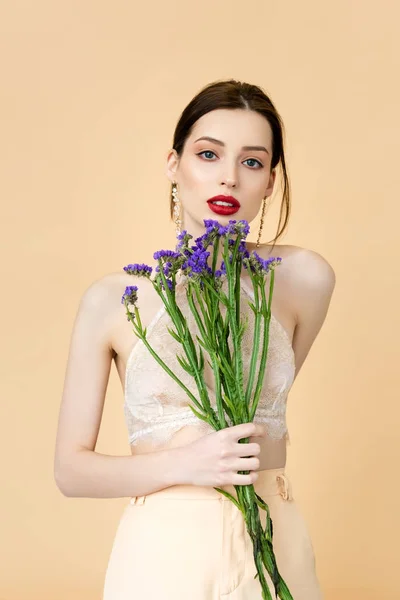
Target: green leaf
[204,344]
[229,402]
[228,495]
[185,365]
[253,308]
[227,410]
[268,530]
[201,359]
[198,415]
[225,367]
[174,335]
[260,501]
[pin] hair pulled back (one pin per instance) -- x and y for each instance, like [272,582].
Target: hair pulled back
[233,94]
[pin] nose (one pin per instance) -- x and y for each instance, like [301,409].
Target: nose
[229,173]
[230,182]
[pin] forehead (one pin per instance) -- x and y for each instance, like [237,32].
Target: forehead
[234,127]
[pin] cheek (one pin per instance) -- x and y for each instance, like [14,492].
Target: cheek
[256,183]
[195,171]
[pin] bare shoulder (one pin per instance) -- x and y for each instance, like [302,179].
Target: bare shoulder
[302,270]
[109,291]
[309,284]
[309,269]
[101,295]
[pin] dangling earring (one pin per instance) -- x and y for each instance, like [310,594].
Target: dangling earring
[262,222]
[177,208]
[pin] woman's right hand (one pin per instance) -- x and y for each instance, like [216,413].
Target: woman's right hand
[215,459]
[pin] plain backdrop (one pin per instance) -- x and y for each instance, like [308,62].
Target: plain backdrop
[90,95]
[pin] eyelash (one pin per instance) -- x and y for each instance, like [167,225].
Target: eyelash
[255,159]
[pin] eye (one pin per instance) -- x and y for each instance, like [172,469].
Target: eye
[206,152]
[254,160]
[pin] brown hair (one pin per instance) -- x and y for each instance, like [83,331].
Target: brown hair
[235,94]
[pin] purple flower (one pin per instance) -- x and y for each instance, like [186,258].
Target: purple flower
[197,262]
[259,265]
[169,284]
[234,227]
[140,270]
[163,253]
[167,268]
[183,237]
[130,295]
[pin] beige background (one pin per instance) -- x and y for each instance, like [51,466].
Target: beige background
[90,94]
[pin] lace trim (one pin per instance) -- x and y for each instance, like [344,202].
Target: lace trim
[276,427]
[149,394]
[139,343]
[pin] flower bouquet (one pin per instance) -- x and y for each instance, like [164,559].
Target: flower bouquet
[234,404]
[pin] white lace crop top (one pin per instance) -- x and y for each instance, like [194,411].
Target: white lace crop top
[155,406]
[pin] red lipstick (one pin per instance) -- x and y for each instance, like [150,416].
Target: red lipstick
[224,209]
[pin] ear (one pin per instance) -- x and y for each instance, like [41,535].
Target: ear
[172,164]
[271,183]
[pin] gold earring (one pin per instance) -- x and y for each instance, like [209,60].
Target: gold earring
[177,208]
[262,222]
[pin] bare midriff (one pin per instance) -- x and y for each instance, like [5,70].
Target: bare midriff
[272,454]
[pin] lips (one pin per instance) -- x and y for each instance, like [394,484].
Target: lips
[224,209]
[235,203]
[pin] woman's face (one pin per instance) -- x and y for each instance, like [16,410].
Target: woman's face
[209,168]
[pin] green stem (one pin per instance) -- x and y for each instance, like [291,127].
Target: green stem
[250,503]
[254,354]
[266,311]
[229,375]
[189,347]
[232,317]
[142,336]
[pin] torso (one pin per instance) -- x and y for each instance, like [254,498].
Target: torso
[273,452]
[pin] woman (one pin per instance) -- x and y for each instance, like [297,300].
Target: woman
[178,538]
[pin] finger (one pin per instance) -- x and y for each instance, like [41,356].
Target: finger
[238,479]
[245,430]
[247,464]
[260,431]
[250,449]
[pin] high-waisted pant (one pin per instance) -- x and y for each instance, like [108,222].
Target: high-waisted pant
[190,543]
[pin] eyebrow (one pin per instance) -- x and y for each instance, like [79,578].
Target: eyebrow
[211,139]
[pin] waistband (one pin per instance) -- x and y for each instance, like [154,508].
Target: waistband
[270,482]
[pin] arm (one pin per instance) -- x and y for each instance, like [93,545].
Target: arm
[313,283]
[79,471]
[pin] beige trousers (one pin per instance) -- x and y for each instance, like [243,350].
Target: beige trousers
[191,543]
